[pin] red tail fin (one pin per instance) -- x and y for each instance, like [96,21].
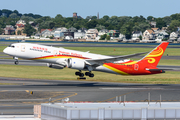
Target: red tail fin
[155,55]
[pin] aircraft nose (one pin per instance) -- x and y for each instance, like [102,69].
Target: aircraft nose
[5,51]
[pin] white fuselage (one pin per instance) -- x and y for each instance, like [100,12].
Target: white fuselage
[48,54]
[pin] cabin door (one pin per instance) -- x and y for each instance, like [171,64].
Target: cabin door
[23,48]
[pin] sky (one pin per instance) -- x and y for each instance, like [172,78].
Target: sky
[84,8]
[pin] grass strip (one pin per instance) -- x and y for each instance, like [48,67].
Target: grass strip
[42,72]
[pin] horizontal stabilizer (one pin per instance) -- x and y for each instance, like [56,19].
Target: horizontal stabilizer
[157,70]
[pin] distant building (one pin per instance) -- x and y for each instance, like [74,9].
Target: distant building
[136,34]
[173,36]
[68,34]
[46,32]
[20,27]
[153,24]
[9,30]
[42,30]
[113,33]
[102,32]
[164,28]
[80,34]
[32,23]
[21,22]
[61,29]
[68,38]
[122,36]
[58,32]
[98,15]
[148,35]
[75,15]
[91,34]
[162,35]
[72,29]
[155,29]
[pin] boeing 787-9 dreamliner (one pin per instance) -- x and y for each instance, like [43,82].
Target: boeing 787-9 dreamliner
[84,61]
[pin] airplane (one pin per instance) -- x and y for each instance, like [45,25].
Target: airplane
[59,58]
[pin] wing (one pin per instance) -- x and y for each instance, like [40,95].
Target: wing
[97,62]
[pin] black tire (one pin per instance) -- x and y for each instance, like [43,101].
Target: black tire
[91,75]
[16,62]
[77,73]
[87,73]
[81,75]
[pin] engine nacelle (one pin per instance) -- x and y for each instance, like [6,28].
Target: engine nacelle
[55,66]
[75,63]
[62,61]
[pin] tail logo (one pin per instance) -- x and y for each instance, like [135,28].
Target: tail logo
[156,53]
[151,60]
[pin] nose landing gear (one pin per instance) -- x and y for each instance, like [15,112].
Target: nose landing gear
[81,75]
[16,60]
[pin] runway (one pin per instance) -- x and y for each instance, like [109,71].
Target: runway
[16,98]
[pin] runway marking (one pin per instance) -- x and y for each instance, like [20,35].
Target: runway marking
[58,94]
[6,105]
[74,94]
[54,98]
[4,91]
[132,88]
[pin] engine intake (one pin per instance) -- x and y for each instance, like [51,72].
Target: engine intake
[75,63]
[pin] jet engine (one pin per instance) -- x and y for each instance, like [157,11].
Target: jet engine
[75,63]
[55,66]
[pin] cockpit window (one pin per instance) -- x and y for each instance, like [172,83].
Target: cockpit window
[12,46]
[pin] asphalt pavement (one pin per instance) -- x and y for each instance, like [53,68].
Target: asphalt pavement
[17,98]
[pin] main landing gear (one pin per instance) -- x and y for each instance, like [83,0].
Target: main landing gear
[16,61]
[81,75]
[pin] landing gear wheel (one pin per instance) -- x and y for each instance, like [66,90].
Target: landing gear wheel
[16,62]
[81,75]
[87,73]
[91,75]
[77,73]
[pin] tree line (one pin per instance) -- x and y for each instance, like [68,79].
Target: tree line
[125,24]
